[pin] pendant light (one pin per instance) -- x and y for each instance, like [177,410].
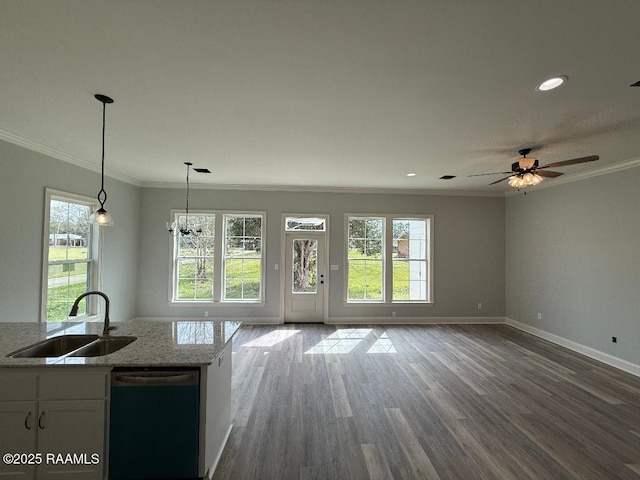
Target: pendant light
[175,229]
[101,217]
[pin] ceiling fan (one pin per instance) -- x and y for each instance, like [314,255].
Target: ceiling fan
[527,171]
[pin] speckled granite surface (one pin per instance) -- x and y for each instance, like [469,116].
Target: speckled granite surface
[159,343]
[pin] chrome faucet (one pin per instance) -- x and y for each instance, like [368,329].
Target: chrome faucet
[74,310]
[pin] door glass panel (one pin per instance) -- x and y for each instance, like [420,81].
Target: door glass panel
[305,266]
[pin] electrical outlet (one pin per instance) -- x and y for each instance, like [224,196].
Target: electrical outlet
[539,316]
[393,314]
[479,306]
[614,339]
[206,313]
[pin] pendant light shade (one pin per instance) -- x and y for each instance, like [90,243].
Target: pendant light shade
[101,217]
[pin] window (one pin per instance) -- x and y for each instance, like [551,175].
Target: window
[389,243]
[242,257]
[193,260]
[223,263]
[365,259]
[410,263]
[70,254]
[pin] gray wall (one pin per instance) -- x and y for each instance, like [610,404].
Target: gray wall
[468,259]
[25,175]
[573,254]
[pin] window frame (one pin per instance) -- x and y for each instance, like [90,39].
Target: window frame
[174,283]
[93,261]
[383,261]
[223,259]
[219,242]
[387,280]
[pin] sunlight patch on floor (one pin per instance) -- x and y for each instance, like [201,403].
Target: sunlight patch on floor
[383,345]
[270,339]
[344,340]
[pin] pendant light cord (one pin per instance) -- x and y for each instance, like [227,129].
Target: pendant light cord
[102,195]
[187,207]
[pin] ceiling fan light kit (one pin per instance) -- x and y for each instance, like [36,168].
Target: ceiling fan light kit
[527,172]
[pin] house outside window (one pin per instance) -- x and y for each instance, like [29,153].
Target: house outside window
[71,260]
[389,259]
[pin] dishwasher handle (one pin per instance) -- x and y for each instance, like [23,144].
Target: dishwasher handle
[146,379]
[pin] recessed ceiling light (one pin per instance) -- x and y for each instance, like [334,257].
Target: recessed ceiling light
[411,174]
[552,83]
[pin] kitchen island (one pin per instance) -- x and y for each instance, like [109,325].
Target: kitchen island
[61,405]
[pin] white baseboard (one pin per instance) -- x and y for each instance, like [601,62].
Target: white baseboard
[577,347]
[415,320]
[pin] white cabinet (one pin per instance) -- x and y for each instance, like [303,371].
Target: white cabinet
[56,418]
[217,414]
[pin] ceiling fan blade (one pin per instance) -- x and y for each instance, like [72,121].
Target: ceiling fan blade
[548,173]
[591,158]
[501,180]
[494,173]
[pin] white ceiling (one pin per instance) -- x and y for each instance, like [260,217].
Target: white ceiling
[331,93]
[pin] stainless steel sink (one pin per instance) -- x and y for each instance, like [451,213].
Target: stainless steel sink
[54,347]
[103,346]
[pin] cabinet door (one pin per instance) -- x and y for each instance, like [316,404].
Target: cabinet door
[18,435]
[73,432]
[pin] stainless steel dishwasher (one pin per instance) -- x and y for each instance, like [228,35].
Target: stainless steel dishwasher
[154,423]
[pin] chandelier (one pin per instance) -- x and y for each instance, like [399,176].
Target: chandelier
[176,229]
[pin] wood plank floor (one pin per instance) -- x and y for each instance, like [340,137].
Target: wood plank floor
[464,402]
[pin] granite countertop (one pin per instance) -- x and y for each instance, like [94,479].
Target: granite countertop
[159,343]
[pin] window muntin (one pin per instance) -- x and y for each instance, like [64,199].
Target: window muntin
[242,258]
[193,260]
[389,259]
[70,254]
[365,259]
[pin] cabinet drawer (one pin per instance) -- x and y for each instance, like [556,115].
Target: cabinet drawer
[14,387]
[70,386]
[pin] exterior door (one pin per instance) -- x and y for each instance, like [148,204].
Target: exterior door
[305,277]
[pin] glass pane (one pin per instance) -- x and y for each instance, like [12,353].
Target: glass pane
[409,239]
[365,280]
[305,223]
[409,280]
[196,245]
[305,266]
[64,284]
[242,279]
[69,230]
[195,279]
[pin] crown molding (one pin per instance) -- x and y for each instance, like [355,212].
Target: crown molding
[325,189]
[43,149]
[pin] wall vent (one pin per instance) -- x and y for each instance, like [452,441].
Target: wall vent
[447,177]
